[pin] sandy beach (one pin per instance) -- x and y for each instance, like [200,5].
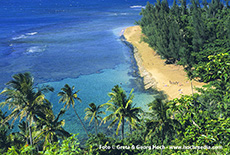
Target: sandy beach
[171,79]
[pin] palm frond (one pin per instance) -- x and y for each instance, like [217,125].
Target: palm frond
[94,114]
[113,122]
[101,112]
[119,124]
[88,116]
[109,117]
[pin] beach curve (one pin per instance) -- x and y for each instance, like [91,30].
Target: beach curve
[170,78]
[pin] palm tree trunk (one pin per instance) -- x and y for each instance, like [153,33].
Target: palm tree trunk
[31,140]
[130,128]
[96,126]
[81,122]
[27,139]
[122,130]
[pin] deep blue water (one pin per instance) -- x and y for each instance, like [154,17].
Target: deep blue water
[74,42]
[59,39]
[71,41]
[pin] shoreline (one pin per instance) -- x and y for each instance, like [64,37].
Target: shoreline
[170,79]
[147,79]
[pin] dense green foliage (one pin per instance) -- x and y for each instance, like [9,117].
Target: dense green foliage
[196,37]
[199,120]
[187,35]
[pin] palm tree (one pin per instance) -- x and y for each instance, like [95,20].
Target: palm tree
[50,128]
[160,122]
[68,97]
[94,113]
[21,137]
[133,116]
[24,101]
[121,107]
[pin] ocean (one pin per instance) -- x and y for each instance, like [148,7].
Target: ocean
[75,42]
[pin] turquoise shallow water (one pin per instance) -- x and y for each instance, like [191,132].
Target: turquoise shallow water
[94,88]
[74,42]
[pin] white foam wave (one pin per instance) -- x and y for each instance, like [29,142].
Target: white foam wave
[118,14]
[19,37]
[35,49]
[124,14]
[31,34]
[137,7]
[113,14]
[23,36]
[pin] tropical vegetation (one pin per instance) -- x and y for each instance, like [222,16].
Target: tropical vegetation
[94,112]
[195,36]
[68,97]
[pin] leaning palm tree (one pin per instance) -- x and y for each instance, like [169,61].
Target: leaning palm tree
[120,105]
[50,128]
[94,112]
[68,97]
[23,99]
